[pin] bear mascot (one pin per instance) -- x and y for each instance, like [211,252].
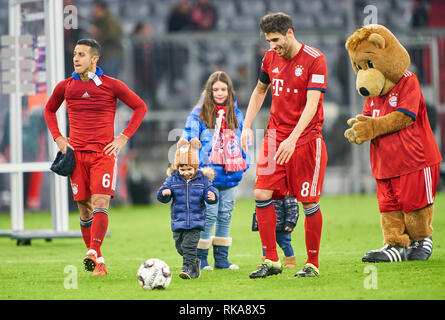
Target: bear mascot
[404,157]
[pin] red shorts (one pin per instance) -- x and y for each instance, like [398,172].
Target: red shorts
[302,176]
[94,173]
[410,192]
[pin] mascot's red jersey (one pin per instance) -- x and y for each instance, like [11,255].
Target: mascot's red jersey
[410,149]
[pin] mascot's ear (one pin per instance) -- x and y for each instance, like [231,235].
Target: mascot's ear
[377,40]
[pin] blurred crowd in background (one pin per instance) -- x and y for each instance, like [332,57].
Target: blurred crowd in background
[165,50]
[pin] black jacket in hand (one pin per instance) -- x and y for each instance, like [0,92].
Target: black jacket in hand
[287,214]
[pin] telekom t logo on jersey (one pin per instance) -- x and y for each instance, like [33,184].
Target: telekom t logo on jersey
[278,85]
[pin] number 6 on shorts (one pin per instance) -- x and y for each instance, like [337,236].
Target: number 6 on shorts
[106,180]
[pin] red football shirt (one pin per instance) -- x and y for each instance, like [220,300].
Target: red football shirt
[409,149]
[91,110]
[290,79]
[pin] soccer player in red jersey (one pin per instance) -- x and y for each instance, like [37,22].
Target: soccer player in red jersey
[90,98]
[293,154]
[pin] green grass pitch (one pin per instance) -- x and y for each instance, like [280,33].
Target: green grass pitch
[351,227]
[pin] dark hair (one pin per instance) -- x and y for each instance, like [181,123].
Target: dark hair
[93,44]
[208,110]
[276,22]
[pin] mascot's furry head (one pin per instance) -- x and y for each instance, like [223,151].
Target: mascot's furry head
[378,59]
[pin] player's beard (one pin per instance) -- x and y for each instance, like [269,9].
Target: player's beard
[83,71]
[283,50]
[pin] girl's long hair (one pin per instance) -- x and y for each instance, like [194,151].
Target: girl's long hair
[208,110]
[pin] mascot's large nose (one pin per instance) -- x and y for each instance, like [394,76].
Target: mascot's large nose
[364,91]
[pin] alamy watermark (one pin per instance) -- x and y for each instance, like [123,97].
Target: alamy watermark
[70,281]
[372,14]
[70,17]
[371,279]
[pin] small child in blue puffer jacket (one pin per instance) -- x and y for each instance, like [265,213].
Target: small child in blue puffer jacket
[189,188]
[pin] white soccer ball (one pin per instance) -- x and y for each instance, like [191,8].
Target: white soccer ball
[154,274]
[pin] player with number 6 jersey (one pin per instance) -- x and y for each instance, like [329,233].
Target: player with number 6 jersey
[293,156]
[91,98]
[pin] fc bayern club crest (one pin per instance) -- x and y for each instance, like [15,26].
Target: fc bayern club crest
[393,100]
[75,188]
[299,70]
[232,148]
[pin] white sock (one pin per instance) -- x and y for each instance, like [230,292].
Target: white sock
[92,251]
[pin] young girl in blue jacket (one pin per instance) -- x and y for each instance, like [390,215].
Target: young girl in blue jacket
[217,122]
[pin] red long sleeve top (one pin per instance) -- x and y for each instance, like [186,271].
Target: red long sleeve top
[91,110]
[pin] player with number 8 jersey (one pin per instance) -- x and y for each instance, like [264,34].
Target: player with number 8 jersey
[293,156]
[91,98]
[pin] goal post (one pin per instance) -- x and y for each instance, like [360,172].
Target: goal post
[17,50]
[55,65]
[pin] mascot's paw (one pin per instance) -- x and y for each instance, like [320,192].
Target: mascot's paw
[363,128]
[387,253]
[351,121]
[350,135]
[420,250]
